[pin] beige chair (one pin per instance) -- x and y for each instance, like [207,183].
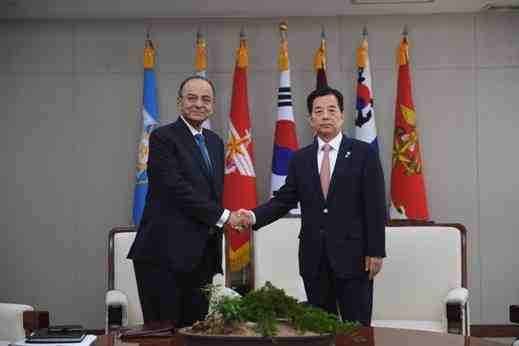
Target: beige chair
[123,307]
[122,302]
[423,283]
[16,320]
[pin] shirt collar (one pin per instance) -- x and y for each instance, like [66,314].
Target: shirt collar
[191,128]
[335,143]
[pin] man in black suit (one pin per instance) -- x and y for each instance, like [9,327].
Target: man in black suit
[178,246]
[340,185]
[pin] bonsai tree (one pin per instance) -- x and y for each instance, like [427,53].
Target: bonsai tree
[263,311]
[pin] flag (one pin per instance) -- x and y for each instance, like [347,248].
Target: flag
[150,120]
[240,177]
[201,64]
[408,199]
[365,128]
[320,63]
[285,137]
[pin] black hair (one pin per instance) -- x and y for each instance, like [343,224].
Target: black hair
[190,78]
[323,92]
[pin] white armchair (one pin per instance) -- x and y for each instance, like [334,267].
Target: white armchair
[17,320]
[12,322]
[123,307]
[423,283]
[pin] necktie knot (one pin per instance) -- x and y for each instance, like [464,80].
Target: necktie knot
[200,138]
[327,147]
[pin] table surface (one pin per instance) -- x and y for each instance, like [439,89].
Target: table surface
[371,336]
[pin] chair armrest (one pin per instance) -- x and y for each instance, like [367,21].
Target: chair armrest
[33,320]
[458,296]
[457,311]
[116,309]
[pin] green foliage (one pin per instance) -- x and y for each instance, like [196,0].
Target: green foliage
[268,305]
[230,309]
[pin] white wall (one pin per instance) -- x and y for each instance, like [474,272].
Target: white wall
[71,93]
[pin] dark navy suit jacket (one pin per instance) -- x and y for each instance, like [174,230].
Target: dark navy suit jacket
[350,222]
[184,201]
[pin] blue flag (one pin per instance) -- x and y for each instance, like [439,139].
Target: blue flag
[150,120]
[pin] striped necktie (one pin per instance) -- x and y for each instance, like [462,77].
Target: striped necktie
[203,149]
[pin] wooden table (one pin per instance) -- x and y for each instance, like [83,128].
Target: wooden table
[373,337]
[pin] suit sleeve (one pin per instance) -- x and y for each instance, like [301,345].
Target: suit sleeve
[374,206]
[164,167]
[284,199]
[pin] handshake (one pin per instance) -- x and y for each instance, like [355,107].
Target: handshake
[241,220]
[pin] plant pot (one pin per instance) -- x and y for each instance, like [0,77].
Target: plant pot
[191,339]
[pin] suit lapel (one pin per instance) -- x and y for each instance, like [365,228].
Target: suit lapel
[314,168]
[216,161]
[190,144]
[342,164]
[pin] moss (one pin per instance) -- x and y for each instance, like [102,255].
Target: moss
[268,305]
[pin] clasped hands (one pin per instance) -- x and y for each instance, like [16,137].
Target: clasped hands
[241,219]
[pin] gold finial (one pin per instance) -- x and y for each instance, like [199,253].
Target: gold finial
[242,54]
[283,49]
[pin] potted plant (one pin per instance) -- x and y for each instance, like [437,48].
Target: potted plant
[264,317]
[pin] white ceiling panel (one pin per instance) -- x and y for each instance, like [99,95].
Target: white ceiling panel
[52,9]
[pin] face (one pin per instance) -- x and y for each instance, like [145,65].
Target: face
[326,119]
[197,102]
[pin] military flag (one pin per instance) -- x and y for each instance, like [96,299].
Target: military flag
[240,177]
[150,120]
[320,63]
[408,198]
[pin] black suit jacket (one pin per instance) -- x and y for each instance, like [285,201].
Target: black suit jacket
[350,222]
[184,201]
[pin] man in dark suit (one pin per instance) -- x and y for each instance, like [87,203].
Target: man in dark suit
[178,246]
[340,185]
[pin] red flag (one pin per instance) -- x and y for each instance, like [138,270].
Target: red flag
[408,199]
[240,178]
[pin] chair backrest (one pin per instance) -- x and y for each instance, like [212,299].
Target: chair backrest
[11,321]
[121,275]
[276,257]
[424,262]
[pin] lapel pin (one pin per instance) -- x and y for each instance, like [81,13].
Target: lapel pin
[348,153]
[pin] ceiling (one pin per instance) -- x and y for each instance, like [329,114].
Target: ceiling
[54,9]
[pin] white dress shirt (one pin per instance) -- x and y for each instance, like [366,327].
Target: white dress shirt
[335,144]
[226,213]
